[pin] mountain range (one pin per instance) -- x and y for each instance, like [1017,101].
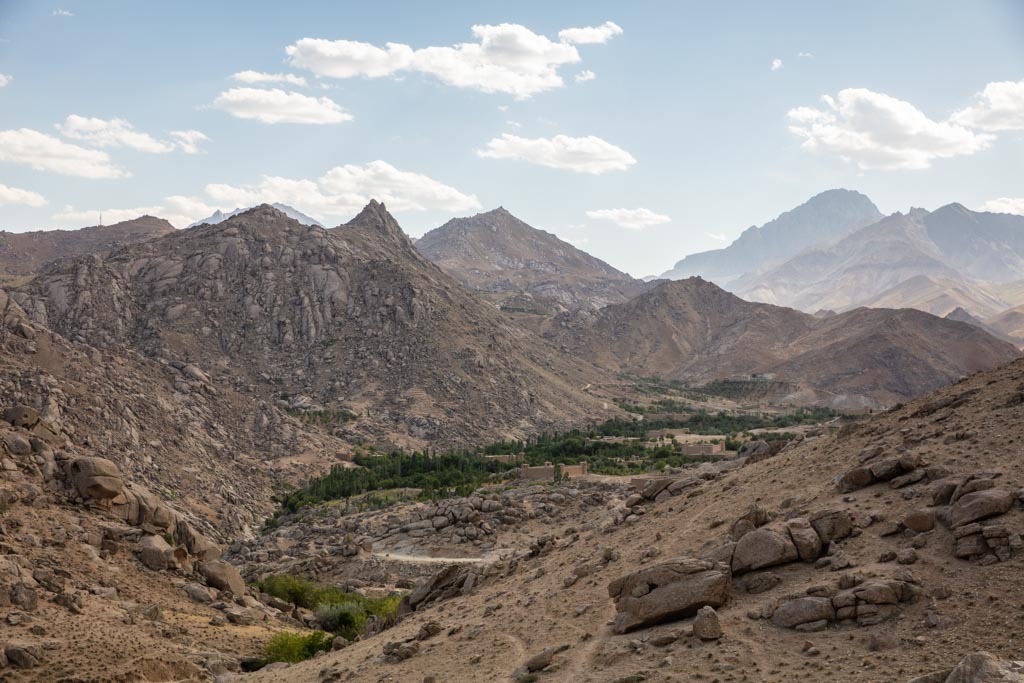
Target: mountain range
[219,216]
[836,252]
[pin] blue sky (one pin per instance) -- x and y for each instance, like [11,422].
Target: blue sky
[664,132]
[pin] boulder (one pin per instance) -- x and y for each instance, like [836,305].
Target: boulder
[17,444]
[805,538]
[223,576]
[667,591]
[706,626]
[792,613]
[857,478]
[980,667]
[764,547]
[919,520]
[21,416]
[96,478]
[156,553]
[980,505]
[832,525]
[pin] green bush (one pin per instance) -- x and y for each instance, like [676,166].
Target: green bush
[347,619]
[296,647]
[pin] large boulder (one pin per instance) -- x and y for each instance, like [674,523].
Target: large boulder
[667,591]
[980,505]
[832,525]
[223,576]
[96,478]
[805,538]
[764,547]
[156,553]
[793,613]
[22,416]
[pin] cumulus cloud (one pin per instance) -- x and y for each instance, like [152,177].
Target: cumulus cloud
[261,77]
[585,75]
[189,141]
[632,219]
[111,133]
[10,196]
[343,190]
[506,58]
[588,154]
[1004,205]
[278,106]
[1000,106]
[876,131]
[776,64]
[5,79]
[589,35]
[805,55]
[46,153]
[60,12]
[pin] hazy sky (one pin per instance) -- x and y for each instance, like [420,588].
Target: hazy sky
[639,131]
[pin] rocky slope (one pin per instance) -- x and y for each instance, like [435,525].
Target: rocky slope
[1010,323]
[892,560]
[351,324]
[497,252]
[22,253]
[693,330]
[819,219]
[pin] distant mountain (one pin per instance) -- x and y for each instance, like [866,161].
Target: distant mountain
[821,218]
[694,331]
[497,252]
[22,253]
[932,261]
[938,296]
[219,216]
[1009,323]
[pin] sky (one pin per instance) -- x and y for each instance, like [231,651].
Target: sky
[640,132]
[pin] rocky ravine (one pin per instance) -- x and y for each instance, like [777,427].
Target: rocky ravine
[896,557]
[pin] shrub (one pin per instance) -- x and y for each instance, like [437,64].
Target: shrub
[347,619]
[296,647]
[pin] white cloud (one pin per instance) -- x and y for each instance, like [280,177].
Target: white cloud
[189,140]
[589,35]
[502,107]
[59,12]
[877,131]
[1000,106]
[805,55]
[46,153]
[343,190]
[5,80]
[718,236]
[261,77]
[14,195]
[578,241]
[632,219]
[585,75]
[776,64]
[72,216]
[588,154]
[507,58]
[111,133]
[1004,205]
[278,106]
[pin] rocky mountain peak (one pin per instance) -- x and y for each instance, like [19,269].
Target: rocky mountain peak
[375,219]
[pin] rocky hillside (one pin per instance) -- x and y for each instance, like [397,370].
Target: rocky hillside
[350,324]
[693,330]
[890,562]
[821,218]
[932,261]
[22,253]
[497,252]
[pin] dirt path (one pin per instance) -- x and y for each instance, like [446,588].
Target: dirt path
[424,559]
